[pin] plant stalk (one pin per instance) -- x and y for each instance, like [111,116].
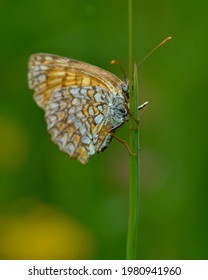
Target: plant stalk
[134,146]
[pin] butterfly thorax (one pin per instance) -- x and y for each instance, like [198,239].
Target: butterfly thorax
[116,116]
[117,112]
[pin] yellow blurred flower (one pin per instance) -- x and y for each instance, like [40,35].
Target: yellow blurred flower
[44,233]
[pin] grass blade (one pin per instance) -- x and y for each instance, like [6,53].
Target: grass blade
[134,146]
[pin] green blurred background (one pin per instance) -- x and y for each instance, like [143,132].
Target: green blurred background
[52,207]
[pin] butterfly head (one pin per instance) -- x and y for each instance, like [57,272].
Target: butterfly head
[125,88]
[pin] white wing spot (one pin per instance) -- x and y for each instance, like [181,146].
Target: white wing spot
[75,101]
[51,121]
[42,78]
[43,67]
[82,130]
[83,91]
[74,90]
[48,58]
[71,110]
[86,140]
[62,140]
[98,118]
[57,94]
[52,105]
[36,68]
[91,112]
[54,133]
[98,97]
[91,149]
[70,149]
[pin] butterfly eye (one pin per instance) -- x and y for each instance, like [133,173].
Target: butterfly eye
[125,87]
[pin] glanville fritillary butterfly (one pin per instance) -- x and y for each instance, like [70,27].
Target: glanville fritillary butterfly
[83,104]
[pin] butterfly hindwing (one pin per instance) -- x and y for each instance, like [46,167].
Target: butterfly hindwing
[75,120]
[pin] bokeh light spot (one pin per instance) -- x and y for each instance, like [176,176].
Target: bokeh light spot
[44,233]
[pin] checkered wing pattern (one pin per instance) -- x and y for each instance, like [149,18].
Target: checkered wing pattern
[77,98]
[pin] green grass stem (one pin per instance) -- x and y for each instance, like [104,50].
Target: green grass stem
[134,146]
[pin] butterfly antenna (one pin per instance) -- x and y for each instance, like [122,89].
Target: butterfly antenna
[154,49]
[120,66]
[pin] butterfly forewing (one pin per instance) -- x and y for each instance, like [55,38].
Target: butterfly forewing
[49,72]
[77,98]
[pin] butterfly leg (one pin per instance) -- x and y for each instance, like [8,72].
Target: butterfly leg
[124,143]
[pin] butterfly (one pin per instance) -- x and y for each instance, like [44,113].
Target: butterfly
[83,104]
